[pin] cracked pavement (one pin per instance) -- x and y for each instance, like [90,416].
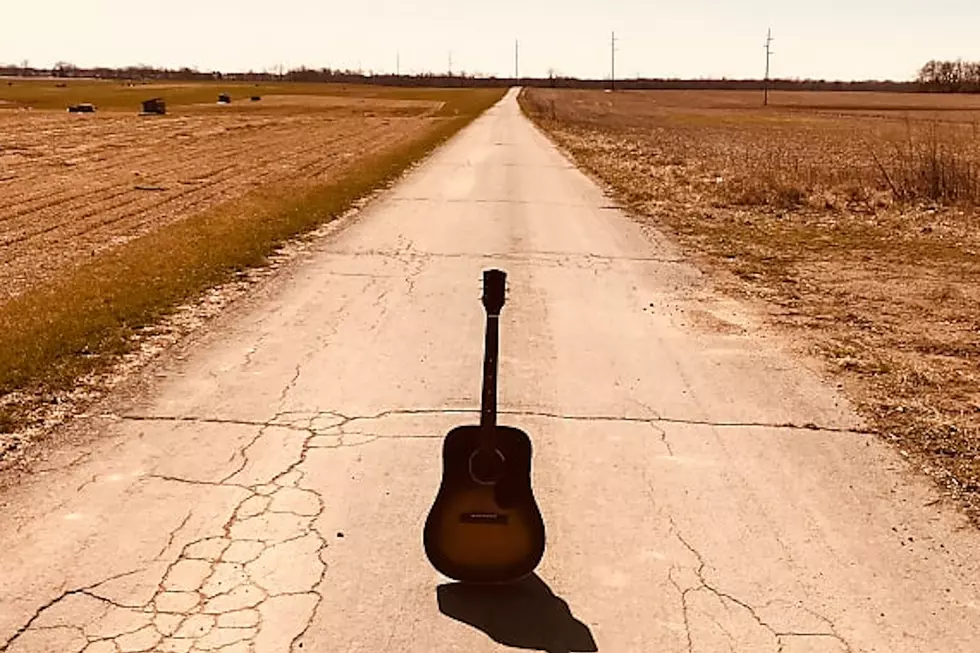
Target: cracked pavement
[704,489]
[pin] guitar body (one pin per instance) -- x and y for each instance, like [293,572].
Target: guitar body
[480,532]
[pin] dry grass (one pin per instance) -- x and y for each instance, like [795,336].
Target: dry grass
[81,321]
[826,154]
[856,226]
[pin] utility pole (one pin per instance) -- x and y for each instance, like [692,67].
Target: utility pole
[612,77]
[517,76]
[450,63]
[398,64]
[768,54]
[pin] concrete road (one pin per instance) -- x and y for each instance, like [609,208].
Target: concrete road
[703,490]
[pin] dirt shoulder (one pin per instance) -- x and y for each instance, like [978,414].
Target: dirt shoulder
[791,208]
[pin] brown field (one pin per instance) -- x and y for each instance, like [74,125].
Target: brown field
[852,218]
[74,186]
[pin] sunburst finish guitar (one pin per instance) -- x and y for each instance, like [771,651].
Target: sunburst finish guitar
[485,525]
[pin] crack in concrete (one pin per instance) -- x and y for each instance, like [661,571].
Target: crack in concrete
[196,420]
[289,386]
[254,349]
[703,585]
[300,476]
[362,275]
[173,534]
[88,590]
[84,485]
[728,634]
[381,305]
[663,438]
[691,422]
[216,582]
[418,265]
[194,481]
[834,636]
[556,257]
[243,453]
[37,615]
[658,419]
[74,462]
[685,610]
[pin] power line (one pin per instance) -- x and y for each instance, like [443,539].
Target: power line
[768,55]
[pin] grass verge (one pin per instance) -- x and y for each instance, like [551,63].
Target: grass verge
[82,323]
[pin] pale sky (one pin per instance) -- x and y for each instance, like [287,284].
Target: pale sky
[830,39]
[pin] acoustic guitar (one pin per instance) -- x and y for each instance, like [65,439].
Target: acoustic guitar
[485,525]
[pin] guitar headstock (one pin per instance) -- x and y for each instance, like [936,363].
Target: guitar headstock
[494,284]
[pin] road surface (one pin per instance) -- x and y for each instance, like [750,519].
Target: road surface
[703,490]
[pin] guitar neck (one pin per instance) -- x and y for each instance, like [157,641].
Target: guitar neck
[488,411]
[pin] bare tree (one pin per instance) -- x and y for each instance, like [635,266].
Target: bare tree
[971,75]
[64,69]
[929,73]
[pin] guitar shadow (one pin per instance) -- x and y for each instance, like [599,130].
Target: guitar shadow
[525,615]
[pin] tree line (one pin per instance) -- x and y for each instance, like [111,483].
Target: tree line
[935,76]
[950,76]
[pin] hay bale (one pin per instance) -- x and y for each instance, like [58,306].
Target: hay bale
[154,106]
[224,98]
[84,107]
[256,98]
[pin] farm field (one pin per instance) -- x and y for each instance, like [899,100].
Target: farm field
[112,95]
[109,220]
[76,185]
[851,218]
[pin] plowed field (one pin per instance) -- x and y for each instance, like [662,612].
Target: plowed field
[73,186]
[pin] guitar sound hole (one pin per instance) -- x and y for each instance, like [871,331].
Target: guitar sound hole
[487,467]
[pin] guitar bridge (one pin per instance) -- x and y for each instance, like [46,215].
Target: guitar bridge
[483,518]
